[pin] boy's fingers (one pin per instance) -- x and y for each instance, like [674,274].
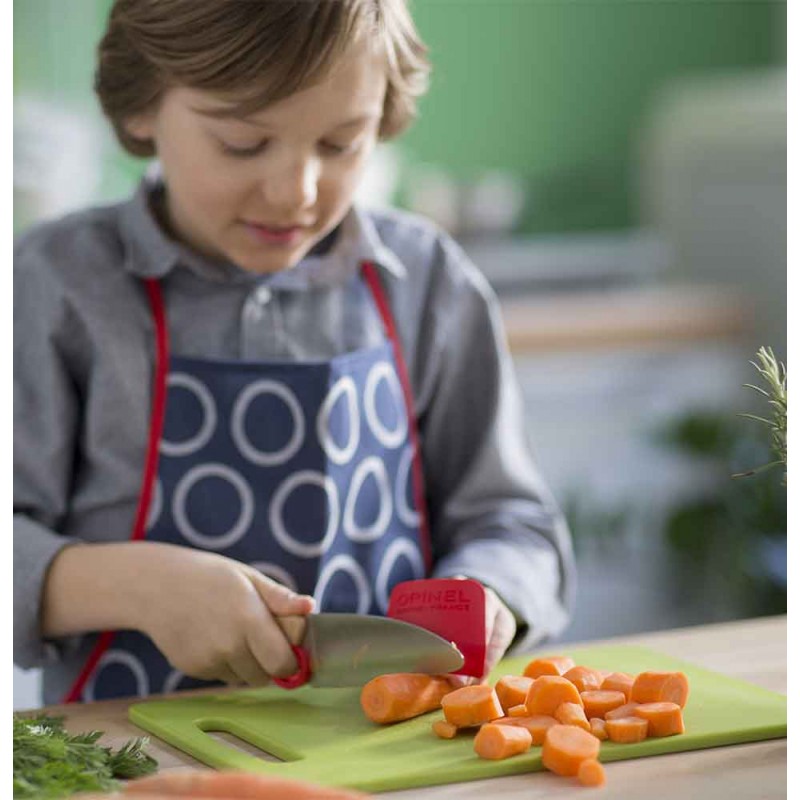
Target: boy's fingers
[247,668]
[279,599]
[271,649]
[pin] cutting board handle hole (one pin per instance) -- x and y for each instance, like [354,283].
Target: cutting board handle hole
[235,743]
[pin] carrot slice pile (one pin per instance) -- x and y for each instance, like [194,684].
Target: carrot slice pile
[591,773]
[597,727]
[518,711]
[663,719]
[621,711]
[471,705]
[598,702]
[548,692]
[572,714]
[627,730]
[552,665]
[512,690]
[618,682]
[402,695]
[584,678]
[660,687]
[501,741]
[536,725]
[444,729]
[566,746]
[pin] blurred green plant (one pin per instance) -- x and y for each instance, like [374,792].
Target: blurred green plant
[774,373]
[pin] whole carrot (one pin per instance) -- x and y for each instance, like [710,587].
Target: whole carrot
[402,695]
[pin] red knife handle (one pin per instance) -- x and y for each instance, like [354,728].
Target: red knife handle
[303,674]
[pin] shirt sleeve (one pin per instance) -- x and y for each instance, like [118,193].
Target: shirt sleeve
[492,517]
[45,428]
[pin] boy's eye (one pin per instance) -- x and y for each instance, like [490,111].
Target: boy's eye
[243,152]
[335,149]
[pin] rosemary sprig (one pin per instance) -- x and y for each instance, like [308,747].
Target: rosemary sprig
[774,373]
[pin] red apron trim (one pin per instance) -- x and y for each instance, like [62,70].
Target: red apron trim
[417,475]
[150,468]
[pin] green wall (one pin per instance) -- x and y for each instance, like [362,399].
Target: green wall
[551,90]
[554,91]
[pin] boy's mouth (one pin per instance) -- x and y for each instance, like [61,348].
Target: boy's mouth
[273,234]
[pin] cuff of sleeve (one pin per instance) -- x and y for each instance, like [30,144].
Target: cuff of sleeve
[35,547]
[527,582]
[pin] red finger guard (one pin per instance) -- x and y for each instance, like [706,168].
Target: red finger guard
[453,608]
[303,674]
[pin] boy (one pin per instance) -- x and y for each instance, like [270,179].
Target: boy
[238,395]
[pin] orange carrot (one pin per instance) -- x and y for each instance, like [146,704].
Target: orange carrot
[548,692]
[512,690]
[565,747]
[501,741]
[572,714]
[627,730]
[591,773]
[518,711]
[402,695]
[231,784]
[584,678]
[550,665]
[663,719]
[621,711]
[536,725]
[598,702]
[618,682]
[444,729]
[471,705]
[598,728]
[660,687]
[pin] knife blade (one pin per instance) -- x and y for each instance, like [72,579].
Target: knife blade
[350,649]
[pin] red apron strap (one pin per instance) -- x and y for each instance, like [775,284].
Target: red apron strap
[417,474]
[150,466]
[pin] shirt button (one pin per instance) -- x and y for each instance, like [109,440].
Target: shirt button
[263,295]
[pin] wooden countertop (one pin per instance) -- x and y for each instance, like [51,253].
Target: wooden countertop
[649,316]
[752,650]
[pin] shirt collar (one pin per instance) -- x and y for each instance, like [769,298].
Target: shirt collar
[152,253]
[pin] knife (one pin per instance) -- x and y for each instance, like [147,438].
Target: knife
[350,649]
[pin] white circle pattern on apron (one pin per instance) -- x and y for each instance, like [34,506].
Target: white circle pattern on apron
[347,564]
[181,518]
[156,504]
[408,515]
[209,424]
[371,465]
[339,455]
[279,531]
[125,659]
[383,370]
[399,548]
[260,457]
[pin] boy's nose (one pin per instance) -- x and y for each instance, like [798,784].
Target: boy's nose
[294,187]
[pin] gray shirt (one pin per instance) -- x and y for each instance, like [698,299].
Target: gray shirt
[83,363]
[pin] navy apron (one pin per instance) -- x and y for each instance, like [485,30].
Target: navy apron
[310,472]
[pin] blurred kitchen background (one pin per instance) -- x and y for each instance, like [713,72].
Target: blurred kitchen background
[618,172]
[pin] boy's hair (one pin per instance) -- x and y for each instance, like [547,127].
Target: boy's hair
[250,52]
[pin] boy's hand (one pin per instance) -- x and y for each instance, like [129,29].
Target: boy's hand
[213,617]
[500,630]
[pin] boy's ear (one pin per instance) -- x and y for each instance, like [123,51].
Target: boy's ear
[140,126]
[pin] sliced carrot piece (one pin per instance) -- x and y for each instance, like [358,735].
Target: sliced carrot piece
[471,705]
[618,682]
[512,690]
[518,711]
[444,729]
[598,703]
[402,695]
[536,725]
[622,711]
[584,678]
[231,784]
[627,730]
[548,692]
[549,665]
[663,719]
[572,714]
[660,687]
[565,747]
[597,727]
[501,741]
[591,773]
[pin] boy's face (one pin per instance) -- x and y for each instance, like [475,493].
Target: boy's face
[262,191]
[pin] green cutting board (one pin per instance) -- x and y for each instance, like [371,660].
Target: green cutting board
[321,735]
